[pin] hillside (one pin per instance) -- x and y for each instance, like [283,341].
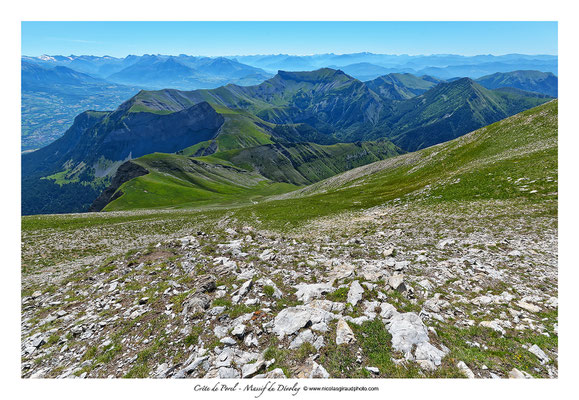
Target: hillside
[440,263]
[451,109]
[89,153]
[176,181]
[234,176]
[343,109]
[494,162]
[401,86]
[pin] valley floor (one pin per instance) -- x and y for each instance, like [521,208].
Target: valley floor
[447,289]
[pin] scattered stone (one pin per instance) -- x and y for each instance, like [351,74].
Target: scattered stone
[516,374]
[465,370]
[344,334]
[197,304]
[396,282]
[228,373]
[443,243]
[318,371]
[426,351]
[291,319]
[494,325]
[206,283]
[239,331]
[407,330]
[529,307]
[355,293]
[308,292]
[249,370]
[536,350]
[305,336]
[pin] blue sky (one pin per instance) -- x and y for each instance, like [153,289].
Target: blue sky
[243,38]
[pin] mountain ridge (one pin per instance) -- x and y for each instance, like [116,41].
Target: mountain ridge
[325,105]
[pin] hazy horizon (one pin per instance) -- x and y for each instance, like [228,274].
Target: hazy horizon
[288,54]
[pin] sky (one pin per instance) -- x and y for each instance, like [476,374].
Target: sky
[120,39]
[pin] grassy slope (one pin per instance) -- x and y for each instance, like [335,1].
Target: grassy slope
[180,181]
[306,163]
[241,174]
[499,161]
[240,130]
[495,162]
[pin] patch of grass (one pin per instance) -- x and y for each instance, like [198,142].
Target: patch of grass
[281,357]
[240,309]
[193,337]
[53,339]
[268,290]
[90,353]
[141,368]
[503,353]
[304,351]
[339,295]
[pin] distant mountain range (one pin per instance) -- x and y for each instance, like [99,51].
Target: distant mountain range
[368,66]
[159,71]
[53,96]
[105,82]
[236,125]
[362,66]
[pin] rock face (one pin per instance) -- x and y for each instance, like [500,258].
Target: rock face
[101,144]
